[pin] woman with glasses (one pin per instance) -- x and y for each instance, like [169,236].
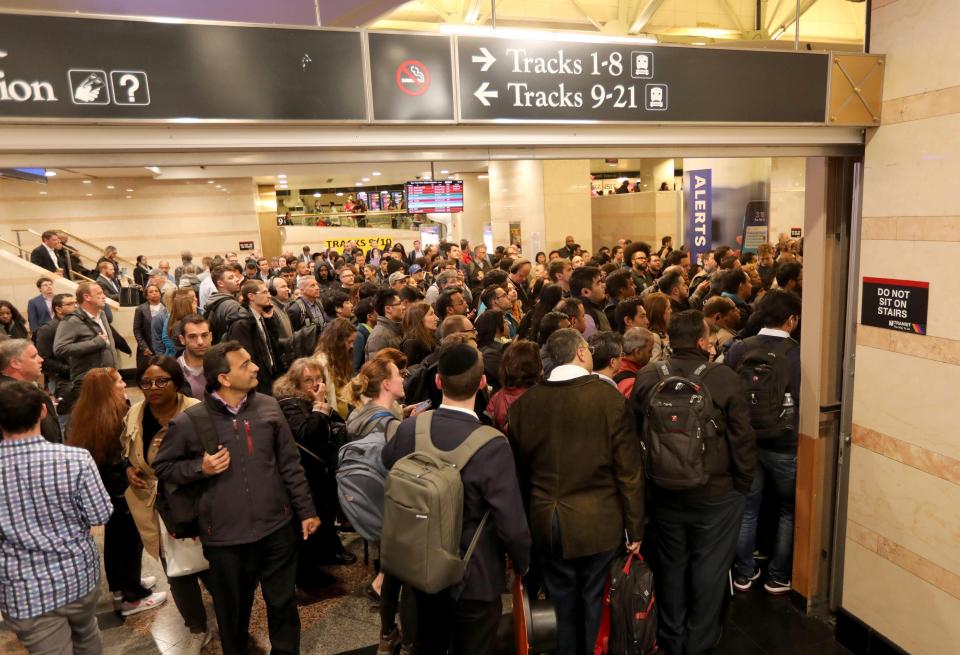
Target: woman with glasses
[319,432]
[97,423]
[145,427]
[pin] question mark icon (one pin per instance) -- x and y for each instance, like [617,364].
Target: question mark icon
[131,84]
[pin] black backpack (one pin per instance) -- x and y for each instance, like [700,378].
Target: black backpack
[679,419]
[624,375]
[765,374]
[179,505]
[628,622]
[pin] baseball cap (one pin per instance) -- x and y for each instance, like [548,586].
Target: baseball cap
[397,277]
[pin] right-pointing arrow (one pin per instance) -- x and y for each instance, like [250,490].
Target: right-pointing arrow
[482,94]
[487,59]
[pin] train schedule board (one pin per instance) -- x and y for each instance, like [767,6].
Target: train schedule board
[899,305]
[435,196]
[81,68]
[541,81]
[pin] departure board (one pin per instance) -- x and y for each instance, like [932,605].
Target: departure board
[435,196]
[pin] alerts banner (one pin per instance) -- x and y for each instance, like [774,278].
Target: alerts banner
[699,199]
[895,304]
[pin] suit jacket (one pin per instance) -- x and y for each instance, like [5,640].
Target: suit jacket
[41,258]
[489,483]
[110,288]
[581,462]
[142,319]
[37,312]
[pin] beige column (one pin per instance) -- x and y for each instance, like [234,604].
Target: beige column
[270,240]
[475,217]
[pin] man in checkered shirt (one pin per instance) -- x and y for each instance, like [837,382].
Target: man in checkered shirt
[50,497]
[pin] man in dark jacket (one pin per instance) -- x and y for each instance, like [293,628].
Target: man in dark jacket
[256,332]
[587,285]
[85,338]
[582,477]
[47,254]
[697,528]
[19,361]
[56,370]
[776,452]
[254,486]
[467,623]
[222,307]
[388,332]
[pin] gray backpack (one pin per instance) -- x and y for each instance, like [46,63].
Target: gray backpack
[361,475]
[423,511]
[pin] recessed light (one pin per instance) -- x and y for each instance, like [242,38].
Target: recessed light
[359,184]
[129,190]
[426,174]
[110,186]
[366,179]
[339,194]
[43,193]
[376,173]
[449,177]
[88,194]
[209,181]
[282,176]
[50,173]
[88,181]
[316,195]
[444,172]
[128,197]
[483,177]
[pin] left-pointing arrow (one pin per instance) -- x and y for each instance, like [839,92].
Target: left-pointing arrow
[482,94]
[486,59]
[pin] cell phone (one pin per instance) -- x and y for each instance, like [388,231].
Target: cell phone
[425,405]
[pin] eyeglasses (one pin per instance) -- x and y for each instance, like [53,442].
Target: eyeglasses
[158,383]
[470,331]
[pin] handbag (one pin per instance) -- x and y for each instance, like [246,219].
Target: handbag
[182,556]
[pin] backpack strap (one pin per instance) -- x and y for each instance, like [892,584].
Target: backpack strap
[422,441]
[663,370]
[203,426]
[462,454]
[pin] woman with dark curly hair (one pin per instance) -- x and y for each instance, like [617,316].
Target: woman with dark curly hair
[11,321]
[334,353]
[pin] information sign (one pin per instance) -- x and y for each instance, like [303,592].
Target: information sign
[895,304]
[558,80]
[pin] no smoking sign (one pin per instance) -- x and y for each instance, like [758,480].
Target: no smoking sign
[413,77]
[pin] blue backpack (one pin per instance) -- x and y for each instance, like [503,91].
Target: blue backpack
[361,477]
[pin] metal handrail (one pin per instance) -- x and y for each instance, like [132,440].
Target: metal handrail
[133,265]
[27,258]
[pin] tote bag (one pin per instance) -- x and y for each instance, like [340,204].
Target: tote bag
[183,556]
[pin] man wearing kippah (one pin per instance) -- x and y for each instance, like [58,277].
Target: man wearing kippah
[466,624]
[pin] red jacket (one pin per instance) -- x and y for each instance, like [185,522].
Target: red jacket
[500,403]
[626,386]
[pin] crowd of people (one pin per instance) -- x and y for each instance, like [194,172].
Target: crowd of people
[641,401]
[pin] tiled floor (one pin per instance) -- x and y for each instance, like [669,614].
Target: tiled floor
[342,620]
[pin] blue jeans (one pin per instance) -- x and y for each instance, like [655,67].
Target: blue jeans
[776,471]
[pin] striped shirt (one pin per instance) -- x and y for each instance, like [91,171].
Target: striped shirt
[50,496]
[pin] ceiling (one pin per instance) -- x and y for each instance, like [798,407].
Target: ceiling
[837,24]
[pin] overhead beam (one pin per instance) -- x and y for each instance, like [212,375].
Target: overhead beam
[643,13]
[471,12]
[586,14]
[438,10]
[792,18]
[733,15]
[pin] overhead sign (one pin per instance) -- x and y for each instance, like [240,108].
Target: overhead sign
[411,77]
[76,68]
[698,196]
[899,305]
[537,80]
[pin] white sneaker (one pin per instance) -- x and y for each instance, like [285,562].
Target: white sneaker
[148,582]
[197,640]
[152,601]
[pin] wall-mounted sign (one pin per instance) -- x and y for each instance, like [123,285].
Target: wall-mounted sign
[698,197]
[796,232]
[756,221]
[246,245]
[559,80]
[895,304]
[82,68]
[364,243]
[411,77]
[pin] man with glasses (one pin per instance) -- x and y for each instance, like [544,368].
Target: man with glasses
[583,481]
[635,256]
[388,332]
[345,279]
[196,338]
[56,371]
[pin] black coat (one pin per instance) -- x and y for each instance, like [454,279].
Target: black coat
[489,483]
[244,329]
[731,461]
[40,257]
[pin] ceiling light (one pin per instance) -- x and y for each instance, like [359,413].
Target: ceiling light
[153,169]
[129,190]
[339,194]
[483,177]
[89,194]
[449,177]
[543,35]
[376,173]
[316,195]
[209,181]
[444,172]
[281,174]
[50,173]
[359,184]
[698,43]
[88,182]
[426,174]
[110,186]
[366,179]
[128,197]
[43,193]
